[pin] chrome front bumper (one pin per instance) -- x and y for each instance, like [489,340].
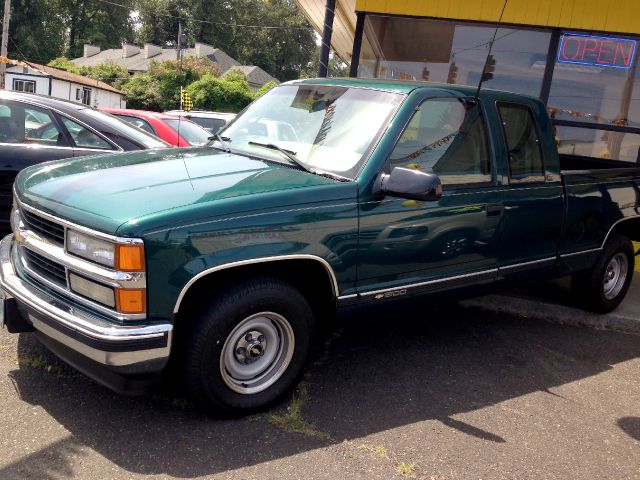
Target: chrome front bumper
[129,349]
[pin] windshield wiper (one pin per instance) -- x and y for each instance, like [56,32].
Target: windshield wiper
[223,141]
[287,153]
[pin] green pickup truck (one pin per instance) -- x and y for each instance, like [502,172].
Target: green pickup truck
[221,264]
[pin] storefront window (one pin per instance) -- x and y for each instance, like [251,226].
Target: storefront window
[453,52]
[599,144]
[593,81]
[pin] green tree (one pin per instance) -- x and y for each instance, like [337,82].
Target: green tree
[220,94]
[65,64]
[265,88]
[98,23]
[170,76]
[336,67]
[143,92]
[37,33]
[109,72]
[282,52]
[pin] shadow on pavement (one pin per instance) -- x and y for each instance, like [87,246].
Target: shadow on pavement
[400,365]
[630,426]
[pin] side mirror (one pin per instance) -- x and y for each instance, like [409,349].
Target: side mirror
[412,184]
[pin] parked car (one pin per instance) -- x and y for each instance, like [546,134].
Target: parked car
[174,130]
[213,122]
[229,259]
[34,129]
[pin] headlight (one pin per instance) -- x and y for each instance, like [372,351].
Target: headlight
[126,257]
[99,251]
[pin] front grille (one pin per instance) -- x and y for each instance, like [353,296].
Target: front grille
[45,267]
[43,227]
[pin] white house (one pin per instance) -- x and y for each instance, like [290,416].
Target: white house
[59,83]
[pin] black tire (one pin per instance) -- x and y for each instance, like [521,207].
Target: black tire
[261,306]
[595,289]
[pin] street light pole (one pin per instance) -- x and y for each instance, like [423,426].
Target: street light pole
[5,40]
[327,30]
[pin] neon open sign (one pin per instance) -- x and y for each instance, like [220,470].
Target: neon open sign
[596,51]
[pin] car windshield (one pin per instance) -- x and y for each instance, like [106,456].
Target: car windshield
[125,129]
[192,133]
[328,128]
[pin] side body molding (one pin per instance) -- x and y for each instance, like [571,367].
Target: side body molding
[226,266]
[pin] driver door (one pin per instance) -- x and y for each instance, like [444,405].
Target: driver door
[407,246]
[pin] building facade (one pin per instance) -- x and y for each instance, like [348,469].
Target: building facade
[57,83]
[578,56]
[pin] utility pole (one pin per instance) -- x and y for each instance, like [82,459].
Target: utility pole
[5,40]
[179,52]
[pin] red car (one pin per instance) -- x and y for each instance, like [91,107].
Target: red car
[164,126]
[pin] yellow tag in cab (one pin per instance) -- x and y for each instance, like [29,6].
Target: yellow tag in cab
[411,203]
[414,166]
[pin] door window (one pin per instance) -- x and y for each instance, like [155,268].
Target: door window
[137,122]
[23,123]
[523,143]
[83,137]
[447,138]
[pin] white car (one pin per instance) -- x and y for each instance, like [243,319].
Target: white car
[210,121]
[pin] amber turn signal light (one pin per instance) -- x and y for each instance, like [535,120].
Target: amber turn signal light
[130,300]
[129,258]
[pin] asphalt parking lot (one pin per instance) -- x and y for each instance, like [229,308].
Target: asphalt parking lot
[412,392]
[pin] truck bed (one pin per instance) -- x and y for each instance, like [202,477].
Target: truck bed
[599,194]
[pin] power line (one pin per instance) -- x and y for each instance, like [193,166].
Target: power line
[208,22]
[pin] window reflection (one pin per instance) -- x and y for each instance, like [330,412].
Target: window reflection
[599,144]
[425,49]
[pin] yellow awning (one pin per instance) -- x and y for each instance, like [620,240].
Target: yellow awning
[344,23]
[615,16]
[619,16]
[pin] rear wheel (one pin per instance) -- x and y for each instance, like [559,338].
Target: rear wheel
[248,347]
[603,288]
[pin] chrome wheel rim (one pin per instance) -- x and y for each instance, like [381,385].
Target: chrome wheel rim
[615,276]
[257,352]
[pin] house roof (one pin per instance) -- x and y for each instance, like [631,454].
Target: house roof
[140,60]
[139,63]
[254,74]
[66,76]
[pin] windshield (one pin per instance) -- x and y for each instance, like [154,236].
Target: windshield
[125,129]
[192,133]
[329,128]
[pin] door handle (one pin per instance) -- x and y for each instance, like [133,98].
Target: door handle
[495,210]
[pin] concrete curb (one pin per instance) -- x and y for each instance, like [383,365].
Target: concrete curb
[539,309]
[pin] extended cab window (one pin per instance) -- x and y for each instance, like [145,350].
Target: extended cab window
[448,138]
[523,143]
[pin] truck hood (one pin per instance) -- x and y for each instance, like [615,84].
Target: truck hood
[104,192]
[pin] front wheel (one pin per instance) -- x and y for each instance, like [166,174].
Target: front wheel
[603,288]
[247,347]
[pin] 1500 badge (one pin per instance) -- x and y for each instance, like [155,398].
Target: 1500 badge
[394,293]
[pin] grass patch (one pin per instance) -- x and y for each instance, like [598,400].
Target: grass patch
[405,468]
[292,420]
[377,450]
[636,247]
[40,362]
